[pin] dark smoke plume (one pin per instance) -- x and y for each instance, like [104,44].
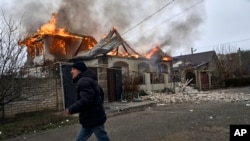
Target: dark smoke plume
[96,17]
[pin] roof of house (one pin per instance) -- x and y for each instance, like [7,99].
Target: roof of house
[75,42]
[112,44]
[194,60]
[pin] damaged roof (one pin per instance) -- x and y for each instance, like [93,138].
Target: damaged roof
[70,41]
[194,60]
[112,44]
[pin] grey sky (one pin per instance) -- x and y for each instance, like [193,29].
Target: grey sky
[228,21]
[204,27]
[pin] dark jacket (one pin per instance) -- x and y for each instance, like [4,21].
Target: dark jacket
[89,103]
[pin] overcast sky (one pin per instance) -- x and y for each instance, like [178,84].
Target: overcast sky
[228,21]
[178,27]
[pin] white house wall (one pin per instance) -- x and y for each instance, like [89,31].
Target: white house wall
[92,63]
[154,87]
[132,63]
[133,66]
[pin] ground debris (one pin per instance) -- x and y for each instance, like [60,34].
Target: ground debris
[197,97]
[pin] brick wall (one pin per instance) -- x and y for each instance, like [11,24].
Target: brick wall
[37,94]
[102,80]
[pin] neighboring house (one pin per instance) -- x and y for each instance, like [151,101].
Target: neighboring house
[202,69]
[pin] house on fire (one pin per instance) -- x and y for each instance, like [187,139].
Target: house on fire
[201,69]
[111,58]
[115,62]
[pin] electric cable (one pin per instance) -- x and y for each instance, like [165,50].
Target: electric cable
[169,19]
[148,17]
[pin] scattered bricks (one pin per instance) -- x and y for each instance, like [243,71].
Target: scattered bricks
[197,97]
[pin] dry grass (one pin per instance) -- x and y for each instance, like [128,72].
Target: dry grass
[33,122]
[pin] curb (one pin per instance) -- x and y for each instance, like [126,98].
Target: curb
[128,109]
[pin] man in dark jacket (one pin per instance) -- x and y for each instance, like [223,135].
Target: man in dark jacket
[89,104]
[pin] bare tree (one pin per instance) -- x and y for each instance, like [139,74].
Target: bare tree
[12,58]
[130,86]
[228,61]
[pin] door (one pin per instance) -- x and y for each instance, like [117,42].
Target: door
[204,81]
[190,75]
[114,84]
[69,88]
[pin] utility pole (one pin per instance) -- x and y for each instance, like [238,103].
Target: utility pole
[192,50]
[239,53]
[240,63]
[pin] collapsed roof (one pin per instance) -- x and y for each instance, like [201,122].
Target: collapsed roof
[52,43]
[112,45]
[58,45]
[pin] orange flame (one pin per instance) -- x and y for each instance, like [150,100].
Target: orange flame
[156,52]
[112,53]
[122,54]
[166,58]
[50,28]
[152,52]
[58,45]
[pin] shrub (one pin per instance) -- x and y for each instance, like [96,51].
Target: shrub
[236,82]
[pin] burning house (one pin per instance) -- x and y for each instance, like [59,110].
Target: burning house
[50,43]
[111,58]
[116,62]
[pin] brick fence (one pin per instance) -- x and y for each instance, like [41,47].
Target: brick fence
[37,89]
[37,94]
[40,89]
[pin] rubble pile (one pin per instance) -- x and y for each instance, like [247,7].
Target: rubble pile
[197,97]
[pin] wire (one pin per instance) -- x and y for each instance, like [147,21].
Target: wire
[167,20]
[220,44]
[148,17]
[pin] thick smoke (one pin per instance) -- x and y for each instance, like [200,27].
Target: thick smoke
[178,29]
[32,13]
[181,34]
[96,17]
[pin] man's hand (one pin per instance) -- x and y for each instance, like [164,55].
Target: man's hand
[67,112]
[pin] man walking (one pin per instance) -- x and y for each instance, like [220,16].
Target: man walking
[89,104]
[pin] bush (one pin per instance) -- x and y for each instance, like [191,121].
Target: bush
[236,82]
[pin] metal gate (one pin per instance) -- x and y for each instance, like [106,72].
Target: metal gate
[69,88]
[114,84]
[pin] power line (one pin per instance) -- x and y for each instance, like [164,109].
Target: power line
[176,15]
[185,50]
[225,43]
[148,17]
